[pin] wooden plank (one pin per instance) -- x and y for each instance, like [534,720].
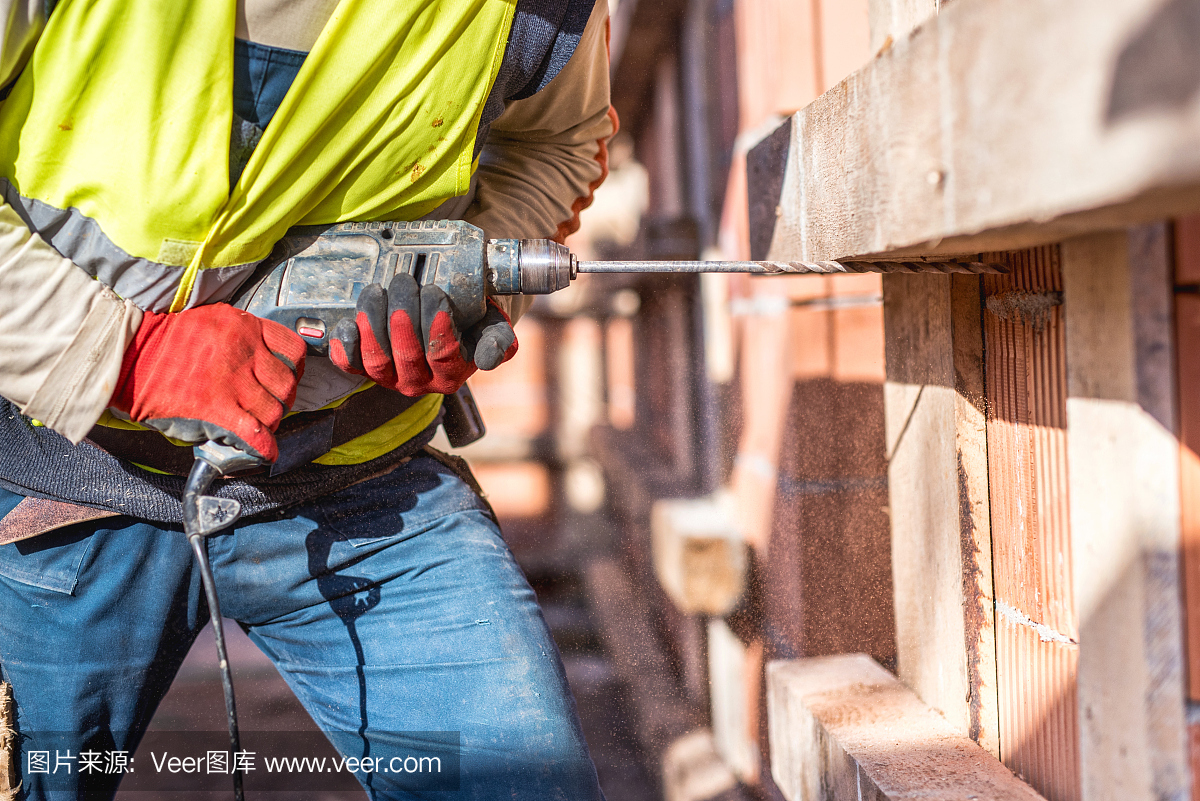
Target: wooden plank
[729,666]
[974,512]
[699,555]
[937,477]
[998,126]
[1125,518]
[692,770]
[1037,632]
[844,729]
[766,163]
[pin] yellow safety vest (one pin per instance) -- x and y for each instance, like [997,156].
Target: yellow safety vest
[115,141]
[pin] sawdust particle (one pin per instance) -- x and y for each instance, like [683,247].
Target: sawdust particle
[1021,306]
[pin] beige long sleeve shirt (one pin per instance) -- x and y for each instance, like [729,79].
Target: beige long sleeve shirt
[63,334]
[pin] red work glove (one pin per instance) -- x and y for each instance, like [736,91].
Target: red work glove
[212,372]
[406,339]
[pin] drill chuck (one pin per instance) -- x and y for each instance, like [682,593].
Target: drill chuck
[529,266]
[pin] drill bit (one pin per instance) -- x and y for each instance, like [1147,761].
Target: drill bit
[789,267]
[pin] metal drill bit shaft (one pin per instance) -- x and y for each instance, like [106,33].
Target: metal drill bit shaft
[788,267]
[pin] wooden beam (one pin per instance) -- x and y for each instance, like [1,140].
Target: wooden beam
[692,770]
[844,729]
[1125,515]
[998,126]
[938,482]
[728,666]
[699,555]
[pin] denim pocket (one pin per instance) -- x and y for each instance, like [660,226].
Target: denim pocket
[51,561]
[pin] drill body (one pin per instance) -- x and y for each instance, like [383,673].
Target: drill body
[313,278]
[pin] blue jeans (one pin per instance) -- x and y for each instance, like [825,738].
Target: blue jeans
[392,606]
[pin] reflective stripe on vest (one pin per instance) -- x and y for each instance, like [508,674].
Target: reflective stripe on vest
[114,142]
[150,284]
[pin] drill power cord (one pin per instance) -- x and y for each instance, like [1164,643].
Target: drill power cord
[198,511]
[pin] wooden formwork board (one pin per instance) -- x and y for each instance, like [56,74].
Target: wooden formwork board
[1125,514]
[938,488]
[997,126]
[844,729]
[1037,629]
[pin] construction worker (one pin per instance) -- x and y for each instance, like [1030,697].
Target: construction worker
[151,154]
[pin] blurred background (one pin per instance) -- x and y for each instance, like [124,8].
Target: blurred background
[691,469]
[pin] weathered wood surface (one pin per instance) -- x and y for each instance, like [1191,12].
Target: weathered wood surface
[1000,125]
[1125,515]
[844,729]
[938,481]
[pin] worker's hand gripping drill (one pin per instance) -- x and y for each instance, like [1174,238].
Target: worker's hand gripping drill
[212,373]
[405,338]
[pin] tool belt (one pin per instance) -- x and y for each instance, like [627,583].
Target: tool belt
[301,437]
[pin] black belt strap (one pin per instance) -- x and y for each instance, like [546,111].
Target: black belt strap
[301,437]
